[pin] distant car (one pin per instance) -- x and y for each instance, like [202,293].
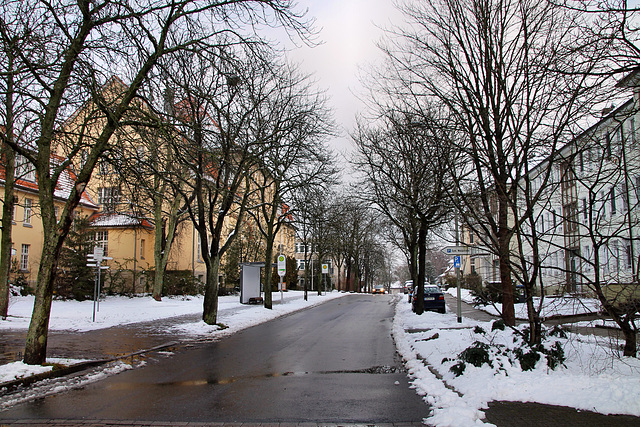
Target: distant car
[433,299]
[378,289]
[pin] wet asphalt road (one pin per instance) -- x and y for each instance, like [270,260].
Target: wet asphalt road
[332,363]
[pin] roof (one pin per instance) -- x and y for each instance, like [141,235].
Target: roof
[118,220]
[63,188]
[630,80]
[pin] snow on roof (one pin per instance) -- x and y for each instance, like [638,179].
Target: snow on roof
[118,220]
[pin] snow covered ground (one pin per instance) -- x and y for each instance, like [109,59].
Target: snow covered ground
[553,306]
[592,377]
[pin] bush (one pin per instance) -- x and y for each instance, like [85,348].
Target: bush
[555,356]
[493,354]
[527,360]
[179,282]
[477,354]
[458,368]
[498,325]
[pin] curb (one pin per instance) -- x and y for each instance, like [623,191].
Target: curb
[57,373]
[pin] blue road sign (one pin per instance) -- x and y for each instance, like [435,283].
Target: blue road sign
[456,261]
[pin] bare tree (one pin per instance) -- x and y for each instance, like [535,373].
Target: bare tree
[220,93]
[510,75]
[404,162]
[84,43]
[292,126]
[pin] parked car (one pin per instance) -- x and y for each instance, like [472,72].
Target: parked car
[378,289]
[433,299]
[408,288]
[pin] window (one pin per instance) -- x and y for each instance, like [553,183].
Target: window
[24,257]
[141,248]
[24,169]
[585,214]
[102,240]
[625,197]
[103,167]
[109,197]
[28,203]
[612,199]
[581,160]
[301,264]
[607,147]
[141,152]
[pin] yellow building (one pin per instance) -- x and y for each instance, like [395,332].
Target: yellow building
[27,231]
[122,211]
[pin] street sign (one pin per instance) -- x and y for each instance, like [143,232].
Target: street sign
[457,261]
[325,268]
[282,265]
[455,250]
[98,253]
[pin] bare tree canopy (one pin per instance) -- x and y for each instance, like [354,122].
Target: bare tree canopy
[71,102]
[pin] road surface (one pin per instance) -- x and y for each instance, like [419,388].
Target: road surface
[334,363]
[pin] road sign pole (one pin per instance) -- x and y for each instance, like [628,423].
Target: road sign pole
[459,292]
[282,271]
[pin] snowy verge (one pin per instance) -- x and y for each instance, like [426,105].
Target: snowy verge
[552,306]
[593,377]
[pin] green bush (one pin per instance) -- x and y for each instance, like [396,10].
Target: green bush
[498,325]
[458,368]
[477,354]
[179,282]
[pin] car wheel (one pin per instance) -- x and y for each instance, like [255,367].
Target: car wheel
[443,310]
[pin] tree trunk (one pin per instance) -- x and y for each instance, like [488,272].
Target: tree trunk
[268,270]
[7,207]
[210,308]
[7,223]
[163,242]
[504,251]
[422,257]
[35,352]
[630,340]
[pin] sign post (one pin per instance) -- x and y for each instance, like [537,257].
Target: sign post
[282,271]
[325,271]
[94,260]
[457,252]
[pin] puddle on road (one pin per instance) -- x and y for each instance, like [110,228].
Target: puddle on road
[377,370]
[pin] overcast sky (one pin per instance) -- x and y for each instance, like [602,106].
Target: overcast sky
[349,30]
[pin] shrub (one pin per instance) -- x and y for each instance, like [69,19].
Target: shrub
[458,368]
[478,330]
[555,356]
[477,354]
[527,360]
[498,325]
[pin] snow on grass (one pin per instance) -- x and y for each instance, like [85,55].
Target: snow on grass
[593,377]
[553,306]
